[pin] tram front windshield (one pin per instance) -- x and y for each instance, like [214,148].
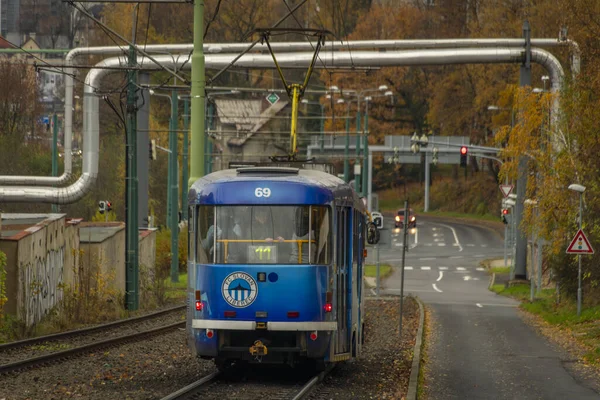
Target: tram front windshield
[264,235]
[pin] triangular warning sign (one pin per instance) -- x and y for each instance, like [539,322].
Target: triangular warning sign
[506,189]
[580,245]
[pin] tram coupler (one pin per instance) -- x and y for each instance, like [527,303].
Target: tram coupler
[258,349]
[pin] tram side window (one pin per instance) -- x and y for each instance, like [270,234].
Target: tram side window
[341,237]
[206,234]
[322,222]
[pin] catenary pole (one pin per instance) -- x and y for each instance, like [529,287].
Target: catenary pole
[198,96]
[132,238]
[173,223]
[185,158]
[521,238]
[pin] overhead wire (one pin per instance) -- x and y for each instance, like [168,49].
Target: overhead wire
[307,37]
[51,68]
[345,32]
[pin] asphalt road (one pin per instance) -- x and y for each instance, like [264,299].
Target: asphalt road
[480,348]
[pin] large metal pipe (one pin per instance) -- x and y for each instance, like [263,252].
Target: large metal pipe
[358,58]
[277,46]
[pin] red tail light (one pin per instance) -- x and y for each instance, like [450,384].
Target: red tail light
[209,333]
[293,314]
[230,314]
[328,307]
[199,305]
[313,335]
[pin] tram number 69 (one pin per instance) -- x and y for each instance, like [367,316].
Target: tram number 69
[262,192]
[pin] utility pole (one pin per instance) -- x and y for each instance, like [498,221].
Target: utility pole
[55,153]
[346,148]
[174,215]
[185,158]
[131,223]
[210,118]
[198,96]
[322,127]
[357,145]
[365,168]
[521,248]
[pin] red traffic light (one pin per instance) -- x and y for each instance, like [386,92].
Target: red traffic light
[505,211]
[463,150]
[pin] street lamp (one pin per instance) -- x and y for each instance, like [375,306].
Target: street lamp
[347,143]
[322,124]
[580,189]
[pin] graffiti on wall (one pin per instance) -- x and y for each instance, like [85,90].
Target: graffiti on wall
[43,284]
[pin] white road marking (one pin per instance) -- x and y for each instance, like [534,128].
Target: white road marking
[478,305]
[441,244]
[470,245]
[480,269]
[425,268]
[455,236]
[440,277]
[484,245]
[408,268]
[456,257]
[460,268]
[437,234]
[443,268]
[479,256]
[427,258]
[436,288]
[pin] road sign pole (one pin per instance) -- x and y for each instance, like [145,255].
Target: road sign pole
[579,294]
[404,248]
[505,244]
[377,267]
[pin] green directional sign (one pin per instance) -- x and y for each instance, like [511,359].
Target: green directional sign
[272,98]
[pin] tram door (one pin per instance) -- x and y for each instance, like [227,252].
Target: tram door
[342,287]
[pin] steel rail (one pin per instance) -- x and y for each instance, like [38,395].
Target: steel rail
[191,387]
[309,386]
[84,331]
[18,365]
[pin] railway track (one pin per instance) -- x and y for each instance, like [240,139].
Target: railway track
[27,353]
[259,385]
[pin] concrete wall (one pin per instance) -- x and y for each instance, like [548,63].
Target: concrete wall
[40,262]
[47,252]
[106,251]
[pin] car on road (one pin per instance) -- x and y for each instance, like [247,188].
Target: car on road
[399,219]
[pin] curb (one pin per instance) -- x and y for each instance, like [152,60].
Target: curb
[413,382]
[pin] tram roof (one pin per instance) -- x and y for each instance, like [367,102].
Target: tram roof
[286,186]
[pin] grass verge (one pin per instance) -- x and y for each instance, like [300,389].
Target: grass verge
[500,270]
[585,329]
[175,291]
[385,270]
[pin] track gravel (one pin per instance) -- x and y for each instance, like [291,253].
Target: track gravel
[155,367]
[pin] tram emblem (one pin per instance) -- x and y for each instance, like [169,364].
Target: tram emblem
[239,289]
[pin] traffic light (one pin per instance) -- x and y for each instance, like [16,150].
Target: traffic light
[463,156]
[153,149]
[505,212]
[108,206]
[102,206]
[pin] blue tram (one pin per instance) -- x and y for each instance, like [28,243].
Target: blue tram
[275,267]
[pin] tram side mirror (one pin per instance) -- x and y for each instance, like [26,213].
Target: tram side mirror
[372,233]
